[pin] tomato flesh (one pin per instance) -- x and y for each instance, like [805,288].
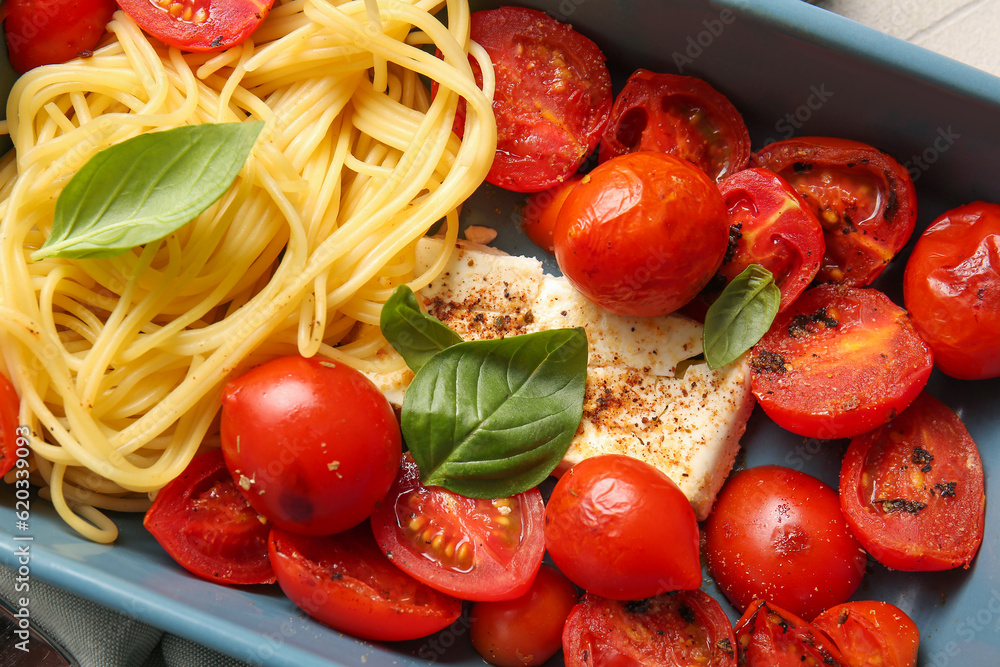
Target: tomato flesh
[769,636]
[346,582]
[871,633]
[841,361]
[198,25]
[472,548]
[952,289]
[202,520]
[913,490]
[683,628]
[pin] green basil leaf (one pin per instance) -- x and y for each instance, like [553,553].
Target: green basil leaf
[416,335]
[144,188]
[493,418]
[740,316]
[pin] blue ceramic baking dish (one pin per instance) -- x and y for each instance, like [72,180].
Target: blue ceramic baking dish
[792,69]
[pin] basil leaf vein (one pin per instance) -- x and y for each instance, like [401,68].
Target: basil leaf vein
[144,188]
[740,316]
[413,333]
[493,418]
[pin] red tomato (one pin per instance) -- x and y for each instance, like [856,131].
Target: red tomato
[871,634]
[345,582]
[912,490]
[841,361]
[313,444]
[604,528]
[552,100]
[475,549]
[542,209]
[642,234]
[952,289]
[526,630]
[198,25]
[44,32]
[683,628]
[10,406]
[864,199]
[769,636]
[206,525]
[778,534]
[681,115]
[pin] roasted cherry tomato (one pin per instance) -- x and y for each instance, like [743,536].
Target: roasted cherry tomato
[681,115]
[621,529]
[552,100]
[952,289]
[642,234]
[778,534]
[682,628]
[841,361]
[912,490]
[541,211]
[526,630]
[202,520]
[871,634]
[313,444]
[475,549]
[44,32]
[769,636]
[198,25]
[864,199]
[769,225]
[346,582]
[10,406]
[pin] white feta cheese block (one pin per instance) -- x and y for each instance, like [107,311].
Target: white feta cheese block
[687,423]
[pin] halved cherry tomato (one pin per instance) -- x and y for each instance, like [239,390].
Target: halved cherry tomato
[606,529]
[952,289]
[769,225]
[10,406]
[864,199]
[202,520]
[44,32]
[841,361]
[778,534]
[642,233]
[526,630]
[313,444]
[871,634]
[552,100]
[346,582]
[198,25]
[682,628]
[769,636]
[541,211]
[475,549]
[681,115]
[912,490]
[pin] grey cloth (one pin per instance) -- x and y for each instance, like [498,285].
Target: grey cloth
[96,636]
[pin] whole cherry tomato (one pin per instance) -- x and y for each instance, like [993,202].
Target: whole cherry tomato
[642,234]
[44,32]
[839,362]
[198,25]
[313,444]
[864,199]
[778,534]
[952,289]
[912,490]
[681,115]
[526,630]
[621,529]
[871,634]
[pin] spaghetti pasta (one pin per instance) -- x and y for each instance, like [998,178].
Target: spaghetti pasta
[119,362]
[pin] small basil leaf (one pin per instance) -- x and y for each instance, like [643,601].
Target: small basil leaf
[740,316]
[493,418]
[144,188]
[416,335]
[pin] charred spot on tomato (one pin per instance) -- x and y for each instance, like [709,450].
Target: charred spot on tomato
[945,489]
[638,606]
[799,325]
[923,458]
[844,615]
[725,646]
[686,613]
[766,361]
[901,505]
[735,234]
[892,205]
[801,167]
